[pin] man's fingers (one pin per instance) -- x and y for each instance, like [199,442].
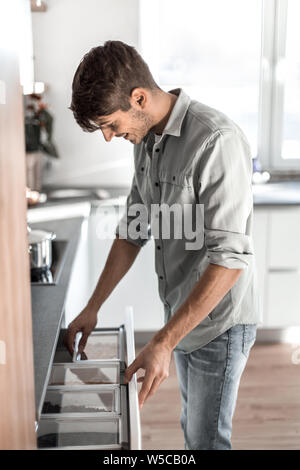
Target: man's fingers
[131,369]
[82,342]
[146,387]
[69,339]
[155,385]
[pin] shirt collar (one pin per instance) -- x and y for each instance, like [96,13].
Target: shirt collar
[174,124]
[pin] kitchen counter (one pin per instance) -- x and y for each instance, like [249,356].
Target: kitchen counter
[271,193]
[277,193]
[48,304]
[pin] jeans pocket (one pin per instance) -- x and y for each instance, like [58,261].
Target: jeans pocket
[249,338]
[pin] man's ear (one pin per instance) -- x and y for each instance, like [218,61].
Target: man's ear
[138,98]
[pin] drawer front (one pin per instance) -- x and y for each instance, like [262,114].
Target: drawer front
[284,247]
[283,299]
[60,432]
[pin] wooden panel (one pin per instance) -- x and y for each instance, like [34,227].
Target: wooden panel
[17,412]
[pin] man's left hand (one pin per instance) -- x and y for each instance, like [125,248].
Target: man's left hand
[155,359]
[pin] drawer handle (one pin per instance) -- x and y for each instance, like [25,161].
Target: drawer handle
[284,270]
[76,356]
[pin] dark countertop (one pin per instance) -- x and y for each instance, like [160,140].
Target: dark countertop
[48,305]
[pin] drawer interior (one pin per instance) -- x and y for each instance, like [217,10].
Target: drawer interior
[62,432]
[81,373]
[86,403]
[101,400]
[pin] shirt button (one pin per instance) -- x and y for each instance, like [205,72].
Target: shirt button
[142,169]
[158,247]
[156,184]
[160,277]
[156,150]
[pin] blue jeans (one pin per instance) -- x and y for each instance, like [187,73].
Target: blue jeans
[209,380]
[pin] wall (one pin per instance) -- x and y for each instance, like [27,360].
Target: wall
[61,36]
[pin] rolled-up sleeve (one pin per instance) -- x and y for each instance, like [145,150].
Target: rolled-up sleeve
[142,235]
[225,189]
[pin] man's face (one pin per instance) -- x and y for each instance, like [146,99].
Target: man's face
[132,125]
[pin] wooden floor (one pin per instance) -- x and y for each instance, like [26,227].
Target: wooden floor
[267,414]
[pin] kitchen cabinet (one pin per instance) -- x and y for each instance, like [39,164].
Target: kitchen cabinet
[138,288]
[284,227]
[87,405]
[283,298]
[79,289]
[276,242]
[260,235]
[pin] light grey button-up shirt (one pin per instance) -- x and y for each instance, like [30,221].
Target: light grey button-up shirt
[202,158]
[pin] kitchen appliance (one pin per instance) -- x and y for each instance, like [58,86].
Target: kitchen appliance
[40,248]
[50,276]
[87,405]
[40,251]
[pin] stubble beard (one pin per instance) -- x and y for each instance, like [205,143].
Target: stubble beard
[144,123]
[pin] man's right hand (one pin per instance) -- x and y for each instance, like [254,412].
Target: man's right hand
[84,322]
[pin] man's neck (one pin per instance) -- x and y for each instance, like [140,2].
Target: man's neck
[164,104]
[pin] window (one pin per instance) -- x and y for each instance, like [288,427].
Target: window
[240,57]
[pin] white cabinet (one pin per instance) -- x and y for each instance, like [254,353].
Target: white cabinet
[138,288]
[79,288]
[276,242]
[283,299]
[284,237]
[260,237]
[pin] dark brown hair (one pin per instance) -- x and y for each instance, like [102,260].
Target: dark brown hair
[104,80]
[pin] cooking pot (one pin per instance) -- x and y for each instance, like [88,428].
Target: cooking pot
[40,248]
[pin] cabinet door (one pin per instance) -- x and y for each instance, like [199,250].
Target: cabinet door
[138,288]
[260,237]
[79,289]
[283,299]
[284,237]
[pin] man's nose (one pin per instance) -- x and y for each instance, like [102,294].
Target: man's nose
[107,134]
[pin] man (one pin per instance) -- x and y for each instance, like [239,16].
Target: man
[184,153]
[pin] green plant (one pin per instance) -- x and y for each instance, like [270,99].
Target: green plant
[39,127]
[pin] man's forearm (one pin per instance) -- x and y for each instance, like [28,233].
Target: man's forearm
[214,284]
[121,257]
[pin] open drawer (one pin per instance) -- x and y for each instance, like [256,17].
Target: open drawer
[87,405]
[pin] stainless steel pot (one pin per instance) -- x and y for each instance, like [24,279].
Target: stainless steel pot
[40,248]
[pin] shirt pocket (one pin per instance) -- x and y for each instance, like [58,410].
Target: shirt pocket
[176,187]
